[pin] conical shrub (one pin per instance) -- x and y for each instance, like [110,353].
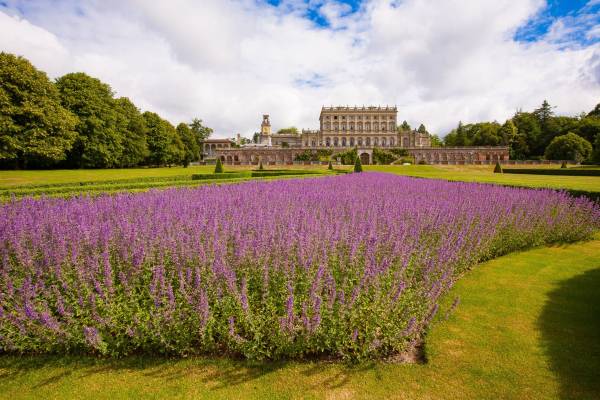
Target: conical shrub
[219,167]
[564,164]
[358,165]
[329,166]
[498,168]
[260,166]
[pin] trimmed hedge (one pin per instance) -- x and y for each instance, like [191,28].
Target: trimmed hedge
[223,175]
[561,171]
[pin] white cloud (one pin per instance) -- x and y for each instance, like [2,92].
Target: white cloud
[228,62]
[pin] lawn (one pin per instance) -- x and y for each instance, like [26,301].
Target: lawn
[484,173]
[527,327]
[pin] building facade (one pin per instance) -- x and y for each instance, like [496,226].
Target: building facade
[343,128]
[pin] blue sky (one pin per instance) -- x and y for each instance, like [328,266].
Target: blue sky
[533,30]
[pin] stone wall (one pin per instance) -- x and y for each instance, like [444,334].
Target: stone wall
[430,155]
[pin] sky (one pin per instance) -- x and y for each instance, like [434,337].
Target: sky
[230,61]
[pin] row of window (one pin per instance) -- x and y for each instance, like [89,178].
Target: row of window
[343,142]
[360,126]
[357,117]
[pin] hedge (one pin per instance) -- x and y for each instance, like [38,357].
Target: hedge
[562,171]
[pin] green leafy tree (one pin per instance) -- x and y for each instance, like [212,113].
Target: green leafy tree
[292,130]
[596,154]
[358,165]
[484,134]
[507,133]
[99,143]
[588,128]
[569,147]
[595,113]
[528,128]
[461,138]
[256,137]
[191,146]
[164,145]
[132,128]
[422,129]
[34,127]
[199,130]
[436,141]
[404,127]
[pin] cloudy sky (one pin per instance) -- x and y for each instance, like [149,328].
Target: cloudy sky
[229,61]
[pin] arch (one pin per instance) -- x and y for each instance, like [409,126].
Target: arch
[351,141]
[365,158]
[236,158]
[327,141]
[335,142]
[343,142]
[313,143]
[359,141]
[375,141]
[383,142]
[392,142]
[391,126]
[229,159]
[223,158]
[368,141]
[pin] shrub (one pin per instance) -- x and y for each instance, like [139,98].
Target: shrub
[568,147]
[260,166]
[219,167]
[329,165]
[383,157]
[498,168]
[564,164]
[422,162]
[340,267]
[358,165]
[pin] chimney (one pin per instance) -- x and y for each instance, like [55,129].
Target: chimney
[238,139]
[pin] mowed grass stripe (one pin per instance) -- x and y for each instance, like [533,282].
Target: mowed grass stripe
[527,327]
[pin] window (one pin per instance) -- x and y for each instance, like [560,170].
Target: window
[383,142]
[359,141]
[335,142]
[351,141]
[367,141]
[327,142]
[343,142]
[391,142]
[313,144]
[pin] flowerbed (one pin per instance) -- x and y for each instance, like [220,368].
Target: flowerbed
[349,266]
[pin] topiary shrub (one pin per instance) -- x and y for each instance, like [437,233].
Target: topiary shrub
[329,166]
[422,162]
[358,165]
[498,168]
[260,166]
[219,167]
[564,164]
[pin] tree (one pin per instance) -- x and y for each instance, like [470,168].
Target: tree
[528,128]
[292,130]
[358,165]
[436,141]
[596,155]
[219,167]
[422,129]
[191,148]
[132,128]
[569,147]
[200,131]
[164,144]
[484,134]
[595,113]
[404,127]
[99,143]
[507,133]
[461,136]
[34,127]
[588,128]
[256,137]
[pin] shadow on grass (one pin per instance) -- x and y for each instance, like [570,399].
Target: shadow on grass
[216,373]
[570,329]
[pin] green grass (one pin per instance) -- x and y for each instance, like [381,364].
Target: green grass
[527,327]
[476,173]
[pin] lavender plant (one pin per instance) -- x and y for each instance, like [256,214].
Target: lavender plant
[349,266]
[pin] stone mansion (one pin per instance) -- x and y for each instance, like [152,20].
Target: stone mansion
[343,128]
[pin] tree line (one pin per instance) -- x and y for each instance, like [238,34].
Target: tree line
[536,135]
[76,122]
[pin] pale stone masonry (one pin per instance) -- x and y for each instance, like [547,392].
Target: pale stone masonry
[342,128]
